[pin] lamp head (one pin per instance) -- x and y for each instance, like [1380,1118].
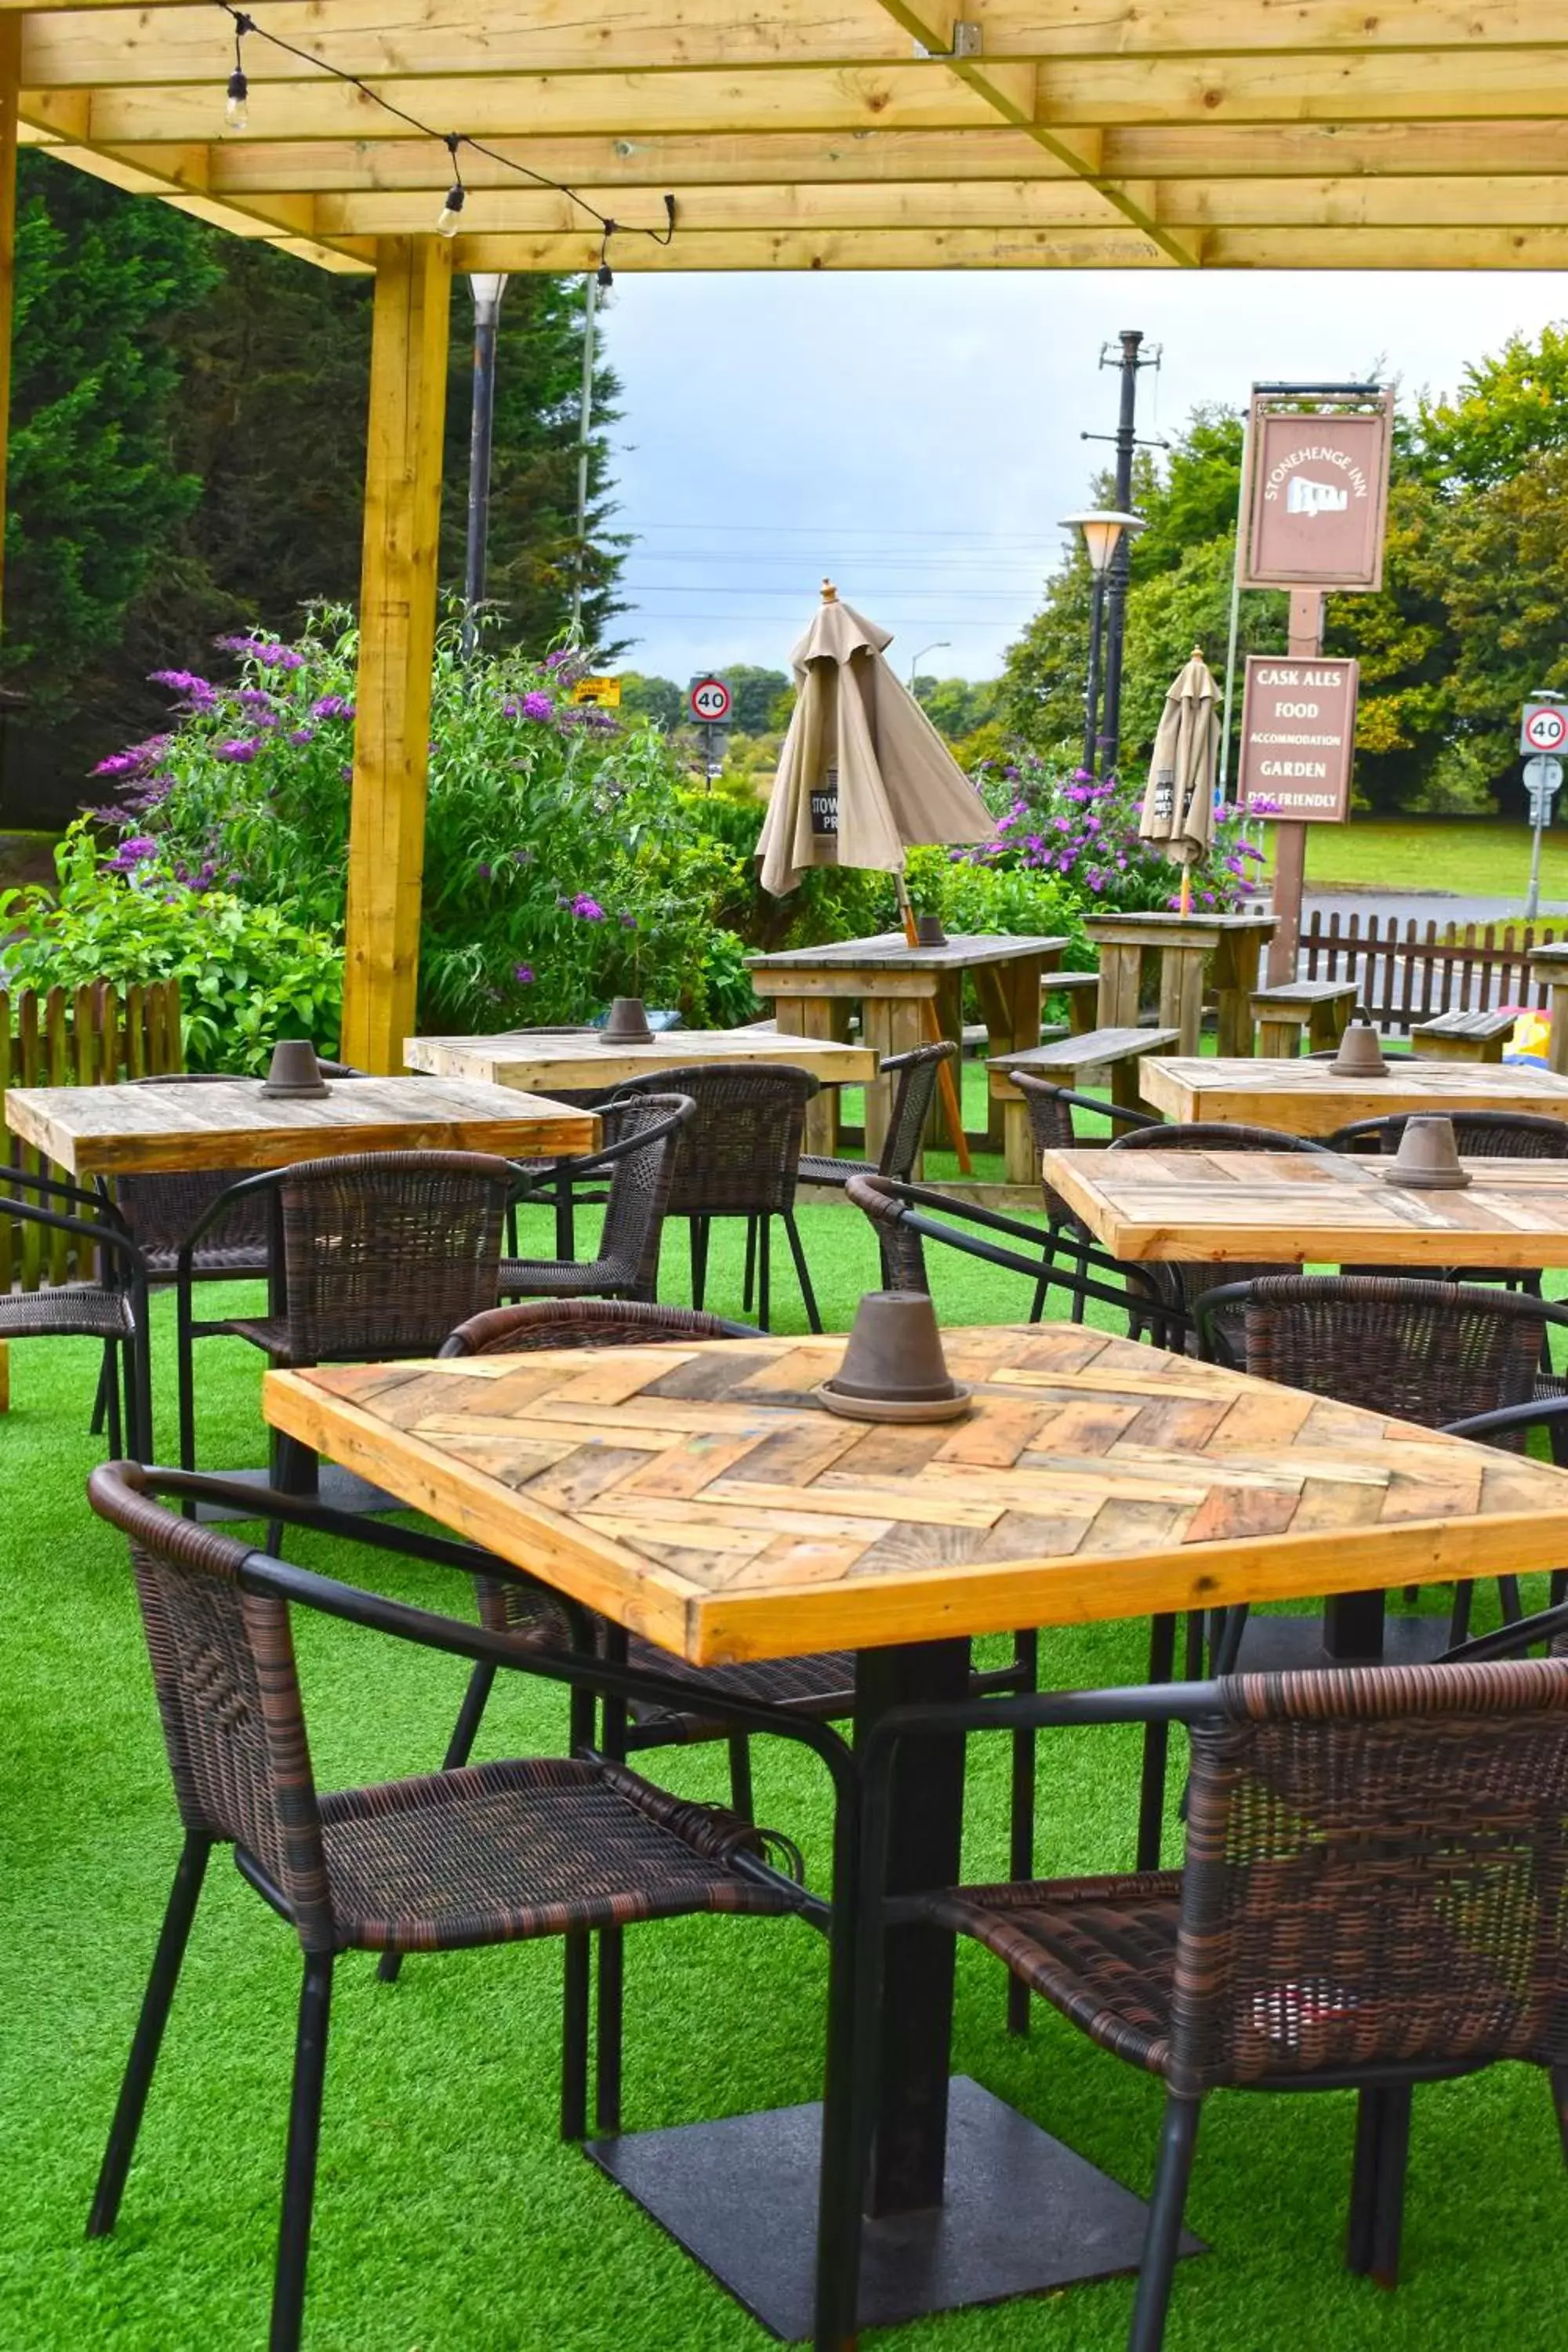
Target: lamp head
[1102,529]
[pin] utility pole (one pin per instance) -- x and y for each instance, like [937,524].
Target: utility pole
[487,291]
[584,437]
[1126,441]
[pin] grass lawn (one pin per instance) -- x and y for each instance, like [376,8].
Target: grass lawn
[449,2216]
[1484,857]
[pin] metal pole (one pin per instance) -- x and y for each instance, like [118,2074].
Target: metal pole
[1091,685]
[1532,902]
[486,292]
[585,432]
[1120,562]
[1234,630]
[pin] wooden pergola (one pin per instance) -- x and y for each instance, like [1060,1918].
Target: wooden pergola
[805,134]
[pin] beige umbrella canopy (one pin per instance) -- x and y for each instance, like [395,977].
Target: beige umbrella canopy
[1178,804]
[863,775]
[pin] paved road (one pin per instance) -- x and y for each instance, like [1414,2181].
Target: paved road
[1424,906]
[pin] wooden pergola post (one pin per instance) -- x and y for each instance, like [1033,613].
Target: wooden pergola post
[397,642]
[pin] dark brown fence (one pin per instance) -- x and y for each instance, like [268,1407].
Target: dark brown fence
[1407,973]
[74,1037]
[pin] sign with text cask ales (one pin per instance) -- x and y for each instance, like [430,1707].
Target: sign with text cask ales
[1298,736]
[1316,491]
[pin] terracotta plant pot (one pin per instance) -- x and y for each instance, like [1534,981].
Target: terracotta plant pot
[627,1023]
[929,931]
[893,1367]
[294,1070]
[1428,1159]
[1361,1054]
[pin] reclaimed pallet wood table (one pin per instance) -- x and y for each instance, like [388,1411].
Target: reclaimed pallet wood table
[1184,943]
[812,989]
[1307,1097]
[1463,1037]
[1313,1209]
[150,1129]
[1318,1010]
[540,1061]
[700,1495]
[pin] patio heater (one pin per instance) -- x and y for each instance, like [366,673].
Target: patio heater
[1103,528]
[486,289]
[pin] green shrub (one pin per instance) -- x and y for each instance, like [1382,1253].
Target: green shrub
[248,975]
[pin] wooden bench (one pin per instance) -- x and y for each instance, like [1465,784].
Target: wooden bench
[1463,1037]
[1321,1008]
[1081,990]
[1070,1060]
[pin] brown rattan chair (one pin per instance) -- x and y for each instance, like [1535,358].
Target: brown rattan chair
[916,1091]
[498,1853]
[1371,1898]
[1430,1352]
[642,1134]
[112,1307]
[1479,1134]
[377,1254]
[1053,1127]
[739,1158]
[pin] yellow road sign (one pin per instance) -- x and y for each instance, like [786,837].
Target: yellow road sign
[604,691]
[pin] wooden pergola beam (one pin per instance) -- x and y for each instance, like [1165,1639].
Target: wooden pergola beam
[1115,246]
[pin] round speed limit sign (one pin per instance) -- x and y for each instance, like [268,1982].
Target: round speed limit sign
[710,700]
[1545,728]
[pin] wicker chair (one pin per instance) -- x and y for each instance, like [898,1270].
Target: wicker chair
[498,1853]
[1052,1128]
[1430,1352]
[917,1074]
[1371,1899]
[379,1254]
[739,1158]
[1479,1134]
[112,1309]
[640,1159]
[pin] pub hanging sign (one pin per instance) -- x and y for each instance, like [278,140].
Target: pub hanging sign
[1316,489]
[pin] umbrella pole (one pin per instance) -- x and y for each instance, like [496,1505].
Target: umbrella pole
[1186,890]
[952,1111]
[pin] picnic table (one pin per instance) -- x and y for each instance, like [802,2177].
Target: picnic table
[1184,943]
[1313,1208]
[128,1130]
[813,988]
[1307,1097]
[698,1495]
[542,1060]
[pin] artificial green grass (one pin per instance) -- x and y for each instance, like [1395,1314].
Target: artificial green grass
[449,2216]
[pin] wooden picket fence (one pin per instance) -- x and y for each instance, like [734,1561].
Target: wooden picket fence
[74,1037]
[1410,973]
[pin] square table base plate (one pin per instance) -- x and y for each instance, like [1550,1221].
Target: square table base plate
[340,1490]
[1024,2215]
[1276,1645]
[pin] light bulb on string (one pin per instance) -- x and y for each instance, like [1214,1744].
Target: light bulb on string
[607,275]
[234,112]
[456,194]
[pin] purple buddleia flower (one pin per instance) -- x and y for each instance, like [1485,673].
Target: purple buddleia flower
[536,706]
[586,909]
[484,872]
[134,853]
[561,658]
[523,974]
[266,651]
[300,736]
[197,691]
[240,750]
[254,698]
[332,705]
[628,922]
[119,763]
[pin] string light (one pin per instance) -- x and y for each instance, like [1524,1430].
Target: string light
[446,225]
[233,113]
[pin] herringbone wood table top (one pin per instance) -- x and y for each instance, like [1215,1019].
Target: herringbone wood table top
[701,1496]
[1313,1208]
[1309,1098]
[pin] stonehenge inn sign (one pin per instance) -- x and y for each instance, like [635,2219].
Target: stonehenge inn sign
[1318,483]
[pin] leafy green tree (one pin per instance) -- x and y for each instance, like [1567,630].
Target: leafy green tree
[957,707]
[658,699]
[757,695]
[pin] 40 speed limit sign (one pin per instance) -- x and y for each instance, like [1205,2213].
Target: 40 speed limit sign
[1544,728]
[710,700]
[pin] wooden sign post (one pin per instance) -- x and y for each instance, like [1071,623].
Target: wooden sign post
[1305,639]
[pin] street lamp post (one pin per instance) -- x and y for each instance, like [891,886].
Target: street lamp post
[486,289]
[943,646]
[1102,529]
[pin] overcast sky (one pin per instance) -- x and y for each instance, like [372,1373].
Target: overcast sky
[917,435]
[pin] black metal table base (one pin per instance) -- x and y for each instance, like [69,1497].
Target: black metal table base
[1024,2214]
[1282,1644]
[341,1490]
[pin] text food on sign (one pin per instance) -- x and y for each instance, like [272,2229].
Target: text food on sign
[1298,736]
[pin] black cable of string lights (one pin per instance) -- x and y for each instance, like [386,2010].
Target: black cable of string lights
[235,109]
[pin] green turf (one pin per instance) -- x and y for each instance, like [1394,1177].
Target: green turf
[449,2216]
[1482,857]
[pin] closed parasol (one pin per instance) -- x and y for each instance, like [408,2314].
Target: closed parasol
[1178,804]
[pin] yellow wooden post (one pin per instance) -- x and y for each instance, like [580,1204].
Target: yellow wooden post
[10,80]
[397,638]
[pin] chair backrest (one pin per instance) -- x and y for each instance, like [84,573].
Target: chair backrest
[1425,1351]
[384,1253]
[1209,1135]
[160,1209]
[1051,1128]
[1479,1134]
[637,1200]
[1376,1871]
[586,1323]
[917,1072]
[740,1154]
[223,1666]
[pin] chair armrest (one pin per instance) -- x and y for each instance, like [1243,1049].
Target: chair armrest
[570,1170]
[1535,1413]
[106,1231]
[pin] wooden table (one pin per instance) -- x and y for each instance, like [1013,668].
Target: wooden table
[1549,965]
[698,1494]
[813,988]
[1304,1098]
[145,1129]
[542,1060]
[1184,943]
[1313,1209]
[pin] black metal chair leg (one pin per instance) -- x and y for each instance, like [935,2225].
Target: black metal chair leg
[1178,2139]
[459,1747]
[764,1271]
[1156,1749]
[108,1374]
[741,1800]
[1508,1595]
[699,1243]
[186,1374]
[749,1281]
[164,1975]
[1459,1615]
[611,1994]
[797,1251]
[1558,2076]
[1377,2182]
[574,2037]
[300,2164]
[1021,1823]
[117,1425]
